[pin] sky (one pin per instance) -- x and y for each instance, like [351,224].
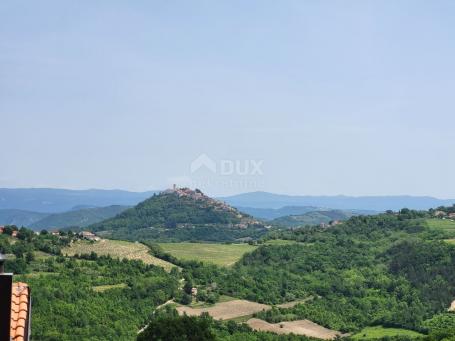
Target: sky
[306,97]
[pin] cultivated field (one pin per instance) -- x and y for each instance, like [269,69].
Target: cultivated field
[371,333]
[117,249]
[226,310]
[219,254]
[445,225]
[300,327]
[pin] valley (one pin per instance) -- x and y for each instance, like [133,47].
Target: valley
[355,279]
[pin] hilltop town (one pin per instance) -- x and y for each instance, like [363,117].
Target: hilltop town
[217,205]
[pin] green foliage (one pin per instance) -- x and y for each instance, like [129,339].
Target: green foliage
[370,270]
[388,270]
[380,333]
[168,210]
[175,328]
[312,218]
[66,306]
[441,326]
[26,244]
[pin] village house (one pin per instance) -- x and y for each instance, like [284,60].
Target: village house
[14,307]
[89,236]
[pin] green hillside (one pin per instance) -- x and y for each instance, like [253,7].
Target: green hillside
[182,214]
[390,270]
[78,218]
[312,218]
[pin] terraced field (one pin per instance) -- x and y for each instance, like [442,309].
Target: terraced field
[117,249]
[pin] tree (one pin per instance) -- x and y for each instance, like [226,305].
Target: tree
[188,287]
[186,299]
[175,328]
[29,257]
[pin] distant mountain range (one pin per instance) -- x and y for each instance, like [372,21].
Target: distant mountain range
[27,206]
[74,218]
[374,203]
[20,217]
[78,218]
[49,200]
[274,213]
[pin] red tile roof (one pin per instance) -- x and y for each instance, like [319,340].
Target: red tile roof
[19,311]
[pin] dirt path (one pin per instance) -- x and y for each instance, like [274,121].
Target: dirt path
[226,310]
[159,307]
[301,327]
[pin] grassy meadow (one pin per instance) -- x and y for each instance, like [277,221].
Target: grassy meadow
[219,254]
[445,225]
[379,332]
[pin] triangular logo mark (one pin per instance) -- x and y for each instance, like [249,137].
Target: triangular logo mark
[203,161]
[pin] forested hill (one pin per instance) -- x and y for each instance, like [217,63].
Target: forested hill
[315,218]
[78,218]
[19,217]
[393,269]
[180,208]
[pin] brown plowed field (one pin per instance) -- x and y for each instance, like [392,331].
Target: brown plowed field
[301,327]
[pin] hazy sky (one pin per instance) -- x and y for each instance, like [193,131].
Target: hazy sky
[316,97]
